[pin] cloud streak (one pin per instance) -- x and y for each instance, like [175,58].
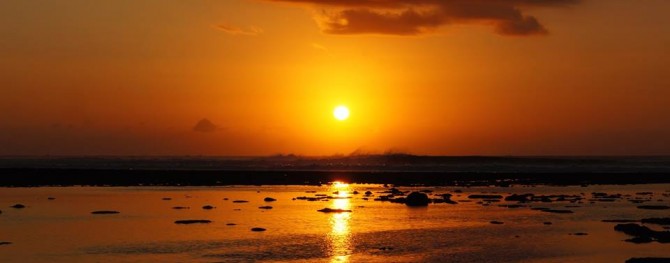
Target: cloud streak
[234,30]
[415,17]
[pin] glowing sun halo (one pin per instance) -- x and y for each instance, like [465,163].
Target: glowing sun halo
[341,113]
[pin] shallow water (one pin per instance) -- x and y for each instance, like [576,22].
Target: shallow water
[64,230]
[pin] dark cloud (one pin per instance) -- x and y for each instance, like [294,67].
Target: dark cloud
[205,125]
[412,17]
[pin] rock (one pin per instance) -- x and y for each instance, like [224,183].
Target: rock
[654,207]
[192,221]
[417,199]
[643,232]
[2,243]
[231,224]
[18,206]
[166,199]
[640,240]
[579,234]
[648,260]
[265,207]
[330,210]
[240,201]
[657,221]
[385,248]
[181,207]
[355,192]
[368,193]
[496,222]
[269,199]
[258,229]
[225,199]
[481,196]
[519,198]
[447,199]
[547,223]
[208,207]
[105,212]
[51,198]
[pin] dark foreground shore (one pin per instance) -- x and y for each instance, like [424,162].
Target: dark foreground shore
[29,177]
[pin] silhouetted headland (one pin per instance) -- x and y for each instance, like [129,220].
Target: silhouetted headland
[396,169]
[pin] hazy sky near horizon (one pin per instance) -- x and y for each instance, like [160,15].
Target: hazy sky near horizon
[258,77]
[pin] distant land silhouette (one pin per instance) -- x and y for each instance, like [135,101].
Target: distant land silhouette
[392,168]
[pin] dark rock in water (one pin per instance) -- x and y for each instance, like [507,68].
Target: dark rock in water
[485,196]
[385,248]
[355,192]
[231,224]
[447,199]
[5,243]
[167,198]
[208,207]
[269,199]
[105,212]
[620,221]
[579,234]
[557,211]
[265,207]
[258,229]
[417,199]
[657,221]
[240,201]
[18,206]
[547,223]
[192,221]
[644,193]
[640,240]
[654,207]
[330,210]
[181,207]
[496,222]
[51,198]
[225,199]
[368,193]
[648,260]
[519,198]
[643,232]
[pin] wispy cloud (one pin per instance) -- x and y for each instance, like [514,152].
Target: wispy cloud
[414,17]
[235,30]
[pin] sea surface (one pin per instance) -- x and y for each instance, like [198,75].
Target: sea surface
[62,229]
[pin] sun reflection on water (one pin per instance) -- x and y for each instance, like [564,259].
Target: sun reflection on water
[340,234]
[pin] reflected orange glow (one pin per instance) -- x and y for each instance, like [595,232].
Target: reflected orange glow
[340,234]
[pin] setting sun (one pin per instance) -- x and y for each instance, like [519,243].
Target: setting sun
[341,113]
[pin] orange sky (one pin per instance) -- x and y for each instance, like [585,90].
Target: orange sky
[507,77]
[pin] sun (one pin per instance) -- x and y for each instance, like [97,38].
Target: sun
[341,113]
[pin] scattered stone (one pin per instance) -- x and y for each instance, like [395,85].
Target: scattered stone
[385,248]
[330,210]
[2,243]
[579,234]
[265,207]
[269,199]
[18,206]
[208,207]
[547,223]
[368,193]
[181,207]
[231,224]
[657,221]
[258,229]
[192,221]
[417,199]
[643,232]
[240,201]
[105,212]
[654,207]
[355,192]
[496,222]
[640,240]
[51,198]
[519,198]
[167,198]
[482,196]
[225,199]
